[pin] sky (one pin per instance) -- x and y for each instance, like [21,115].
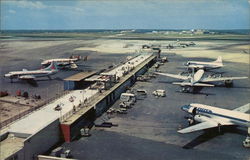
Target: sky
[124,14]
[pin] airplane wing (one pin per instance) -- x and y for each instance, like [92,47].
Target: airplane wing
[199,126]
[211,79]
[245,108]
[173,75]
[214,122]
[27,77]
[195,84]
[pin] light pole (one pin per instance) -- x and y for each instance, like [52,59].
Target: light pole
[59,108]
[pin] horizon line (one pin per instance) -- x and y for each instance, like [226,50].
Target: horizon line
[118,29]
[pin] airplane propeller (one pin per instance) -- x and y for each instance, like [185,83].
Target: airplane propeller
[191,120]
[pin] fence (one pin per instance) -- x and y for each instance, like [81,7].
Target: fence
[83,104]
[19,116]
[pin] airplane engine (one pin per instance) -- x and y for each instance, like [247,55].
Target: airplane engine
[200,118]
[191,120]
[196,117]
[228,83]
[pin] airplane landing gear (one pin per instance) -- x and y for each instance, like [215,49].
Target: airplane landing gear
[246,142]
[187,90]
[191,121]
[229,83]
[182,89]
[219,129]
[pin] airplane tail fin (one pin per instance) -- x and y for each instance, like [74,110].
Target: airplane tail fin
[52,67]
[78,57]
[218,60]
[85,58]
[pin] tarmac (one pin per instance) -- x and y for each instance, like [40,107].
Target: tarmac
[149,129]
[19,54]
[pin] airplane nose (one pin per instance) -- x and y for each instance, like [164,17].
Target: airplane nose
[185,107]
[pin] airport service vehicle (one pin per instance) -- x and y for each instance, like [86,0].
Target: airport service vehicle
[33,74]
[210,117]
[85,132]
[63,62]
[164,59]
[141,92]
[125,105]
[246,142]
[205,65]
[197,79]
[128,99]
[121,111]
[183,44]
[159,93]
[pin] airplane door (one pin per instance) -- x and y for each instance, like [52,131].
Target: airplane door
[194,111]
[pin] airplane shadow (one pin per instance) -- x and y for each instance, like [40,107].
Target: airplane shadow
[87,66]
[76,69]
[52,79]
[224,86]
[198,93]
[34,83]
[189,71]
[241,87]
[196,90]
[168,82]
[212,133]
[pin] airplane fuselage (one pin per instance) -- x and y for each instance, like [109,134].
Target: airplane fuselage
[205,65]
[60,61]
[36,73]
[32,74]
[215,113]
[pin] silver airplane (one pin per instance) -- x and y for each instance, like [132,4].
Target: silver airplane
[210,117]
[33,74]
[63,62]
[197,79]
[205,65]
